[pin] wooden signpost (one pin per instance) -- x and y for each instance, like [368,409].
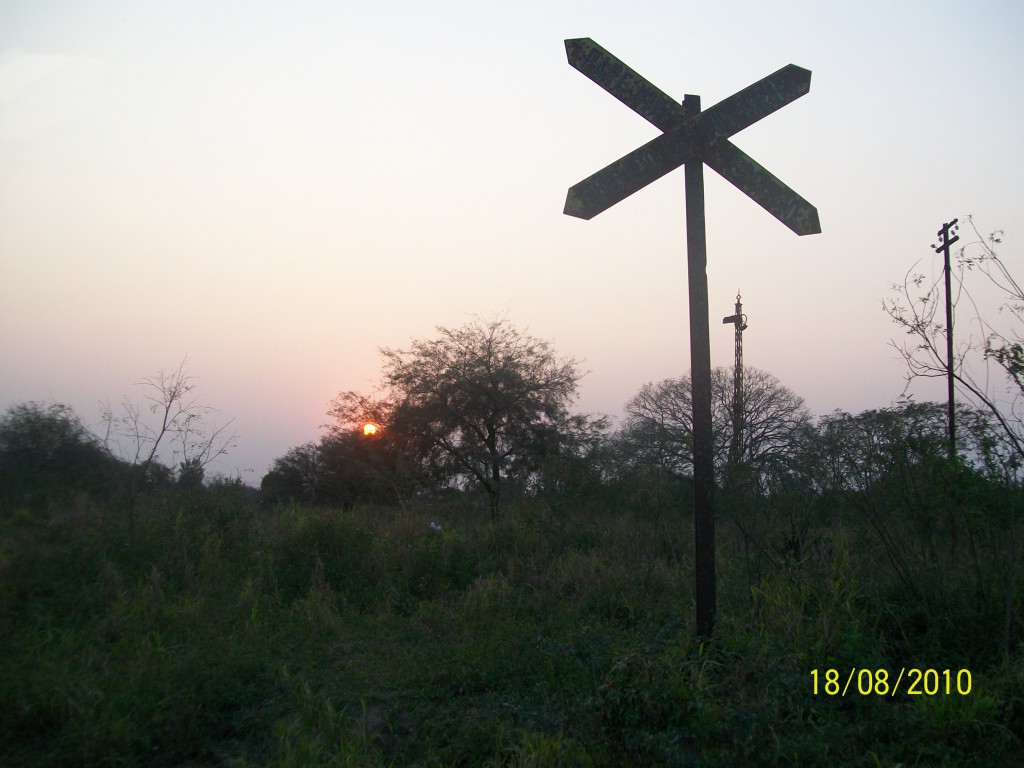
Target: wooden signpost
[692,138]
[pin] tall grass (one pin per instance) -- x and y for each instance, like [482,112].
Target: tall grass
[243,636]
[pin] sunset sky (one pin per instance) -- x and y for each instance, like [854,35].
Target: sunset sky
[278,190]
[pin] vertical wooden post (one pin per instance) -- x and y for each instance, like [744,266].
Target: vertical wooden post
[700,379]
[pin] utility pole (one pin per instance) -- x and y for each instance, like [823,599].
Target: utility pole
[740,321]
[948,236]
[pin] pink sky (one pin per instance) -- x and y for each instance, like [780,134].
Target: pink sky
[277,194]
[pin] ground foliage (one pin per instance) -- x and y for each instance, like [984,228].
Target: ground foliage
[557,633]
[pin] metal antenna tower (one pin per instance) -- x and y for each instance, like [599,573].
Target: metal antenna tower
[740,321]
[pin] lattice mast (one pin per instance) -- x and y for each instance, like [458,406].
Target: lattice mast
[739,320]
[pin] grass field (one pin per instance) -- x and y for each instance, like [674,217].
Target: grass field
[237,635]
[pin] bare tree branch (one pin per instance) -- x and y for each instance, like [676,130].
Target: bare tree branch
[980,338]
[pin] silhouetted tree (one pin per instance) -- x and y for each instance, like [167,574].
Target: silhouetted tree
[46,455]
[382,466]
[297,476]
[982,335]
[176,420]
[568,464]
[658,427]
[476,401]
[347,465]
[931,516]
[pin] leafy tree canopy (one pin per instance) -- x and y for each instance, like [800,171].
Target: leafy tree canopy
[477,403]
[47,454]
[658,429]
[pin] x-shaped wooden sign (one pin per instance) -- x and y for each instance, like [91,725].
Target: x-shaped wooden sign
[687,137]
[692,138]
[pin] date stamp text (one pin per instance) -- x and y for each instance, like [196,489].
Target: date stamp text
[880,682]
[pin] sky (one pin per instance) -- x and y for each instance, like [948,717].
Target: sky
[273,192]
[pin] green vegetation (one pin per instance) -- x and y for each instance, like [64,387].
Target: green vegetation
[489,580]
[244,635]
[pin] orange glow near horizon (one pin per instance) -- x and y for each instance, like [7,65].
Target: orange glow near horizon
[370,429]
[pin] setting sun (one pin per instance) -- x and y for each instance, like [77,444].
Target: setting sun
[369,429]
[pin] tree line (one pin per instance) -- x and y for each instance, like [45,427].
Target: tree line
[48,456]
[487,409]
